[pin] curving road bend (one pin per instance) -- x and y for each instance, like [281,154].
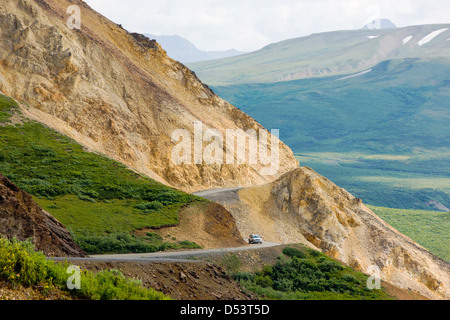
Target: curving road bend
[210,192]
[178,256]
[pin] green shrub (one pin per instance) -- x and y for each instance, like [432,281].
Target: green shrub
[112,285]
[330,266]
[283,284]
[20,264]
[263,281]
[350,278]
[122,242]
[314,253]
[267,270]
[114,243]
[188,245]
[231,263]
[244,276]
[293,252]
[150,206]
[314,277]
[86,198]
[153,237]
[6,106]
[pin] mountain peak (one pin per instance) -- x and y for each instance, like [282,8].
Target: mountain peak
[380,24]
[183,50]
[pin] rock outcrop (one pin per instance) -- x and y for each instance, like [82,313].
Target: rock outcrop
[117,93]
[207,224]
[22,218]
[304,207]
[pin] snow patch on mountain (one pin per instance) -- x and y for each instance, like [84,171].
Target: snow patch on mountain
[407,39]
[431,36]
[354,75]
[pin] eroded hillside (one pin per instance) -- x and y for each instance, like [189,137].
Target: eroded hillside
[116,93]
[304,207]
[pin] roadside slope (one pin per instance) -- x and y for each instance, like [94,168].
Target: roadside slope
[304,207]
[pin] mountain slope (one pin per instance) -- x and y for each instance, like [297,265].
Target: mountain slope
[304,207]
[105,205]
[116,93]
[324,54]
[181,49]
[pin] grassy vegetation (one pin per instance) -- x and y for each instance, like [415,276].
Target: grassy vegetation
[396,181]
[91,194]
[125,242]
[303,274]
[20,264]
[428,228]
[7,105]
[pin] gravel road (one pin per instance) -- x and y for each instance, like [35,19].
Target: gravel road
[179,256]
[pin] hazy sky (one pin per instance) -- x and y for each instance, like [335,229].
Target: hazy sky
[249,25]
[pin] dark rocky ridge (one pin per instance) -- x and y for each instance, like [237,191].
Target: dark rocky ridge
[21,217]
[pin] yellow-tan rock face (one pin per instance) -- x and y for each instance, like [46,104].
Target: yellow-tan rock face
[304,207]
[116,93]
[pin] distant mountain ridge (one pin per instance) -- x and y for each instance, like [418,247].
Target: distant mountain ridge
[380,24]
[382,91]
[326,54]
[183,50]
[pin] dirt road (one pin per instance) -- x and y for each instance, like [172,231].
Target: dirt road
[178,256]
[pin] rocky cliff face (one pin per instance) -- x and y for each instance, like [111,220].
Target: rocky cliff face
[22,218]
[116,93]
[304,207]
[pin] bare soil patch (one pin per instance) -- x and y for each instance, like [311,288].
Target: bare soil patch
[180,281]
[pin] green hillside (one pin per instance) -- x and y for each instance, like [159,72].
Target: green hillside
[98,199]
[323,54]
[427,228]
[382,135]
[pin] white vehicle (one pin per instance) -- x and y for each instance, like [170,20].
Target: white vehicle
[254,238]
